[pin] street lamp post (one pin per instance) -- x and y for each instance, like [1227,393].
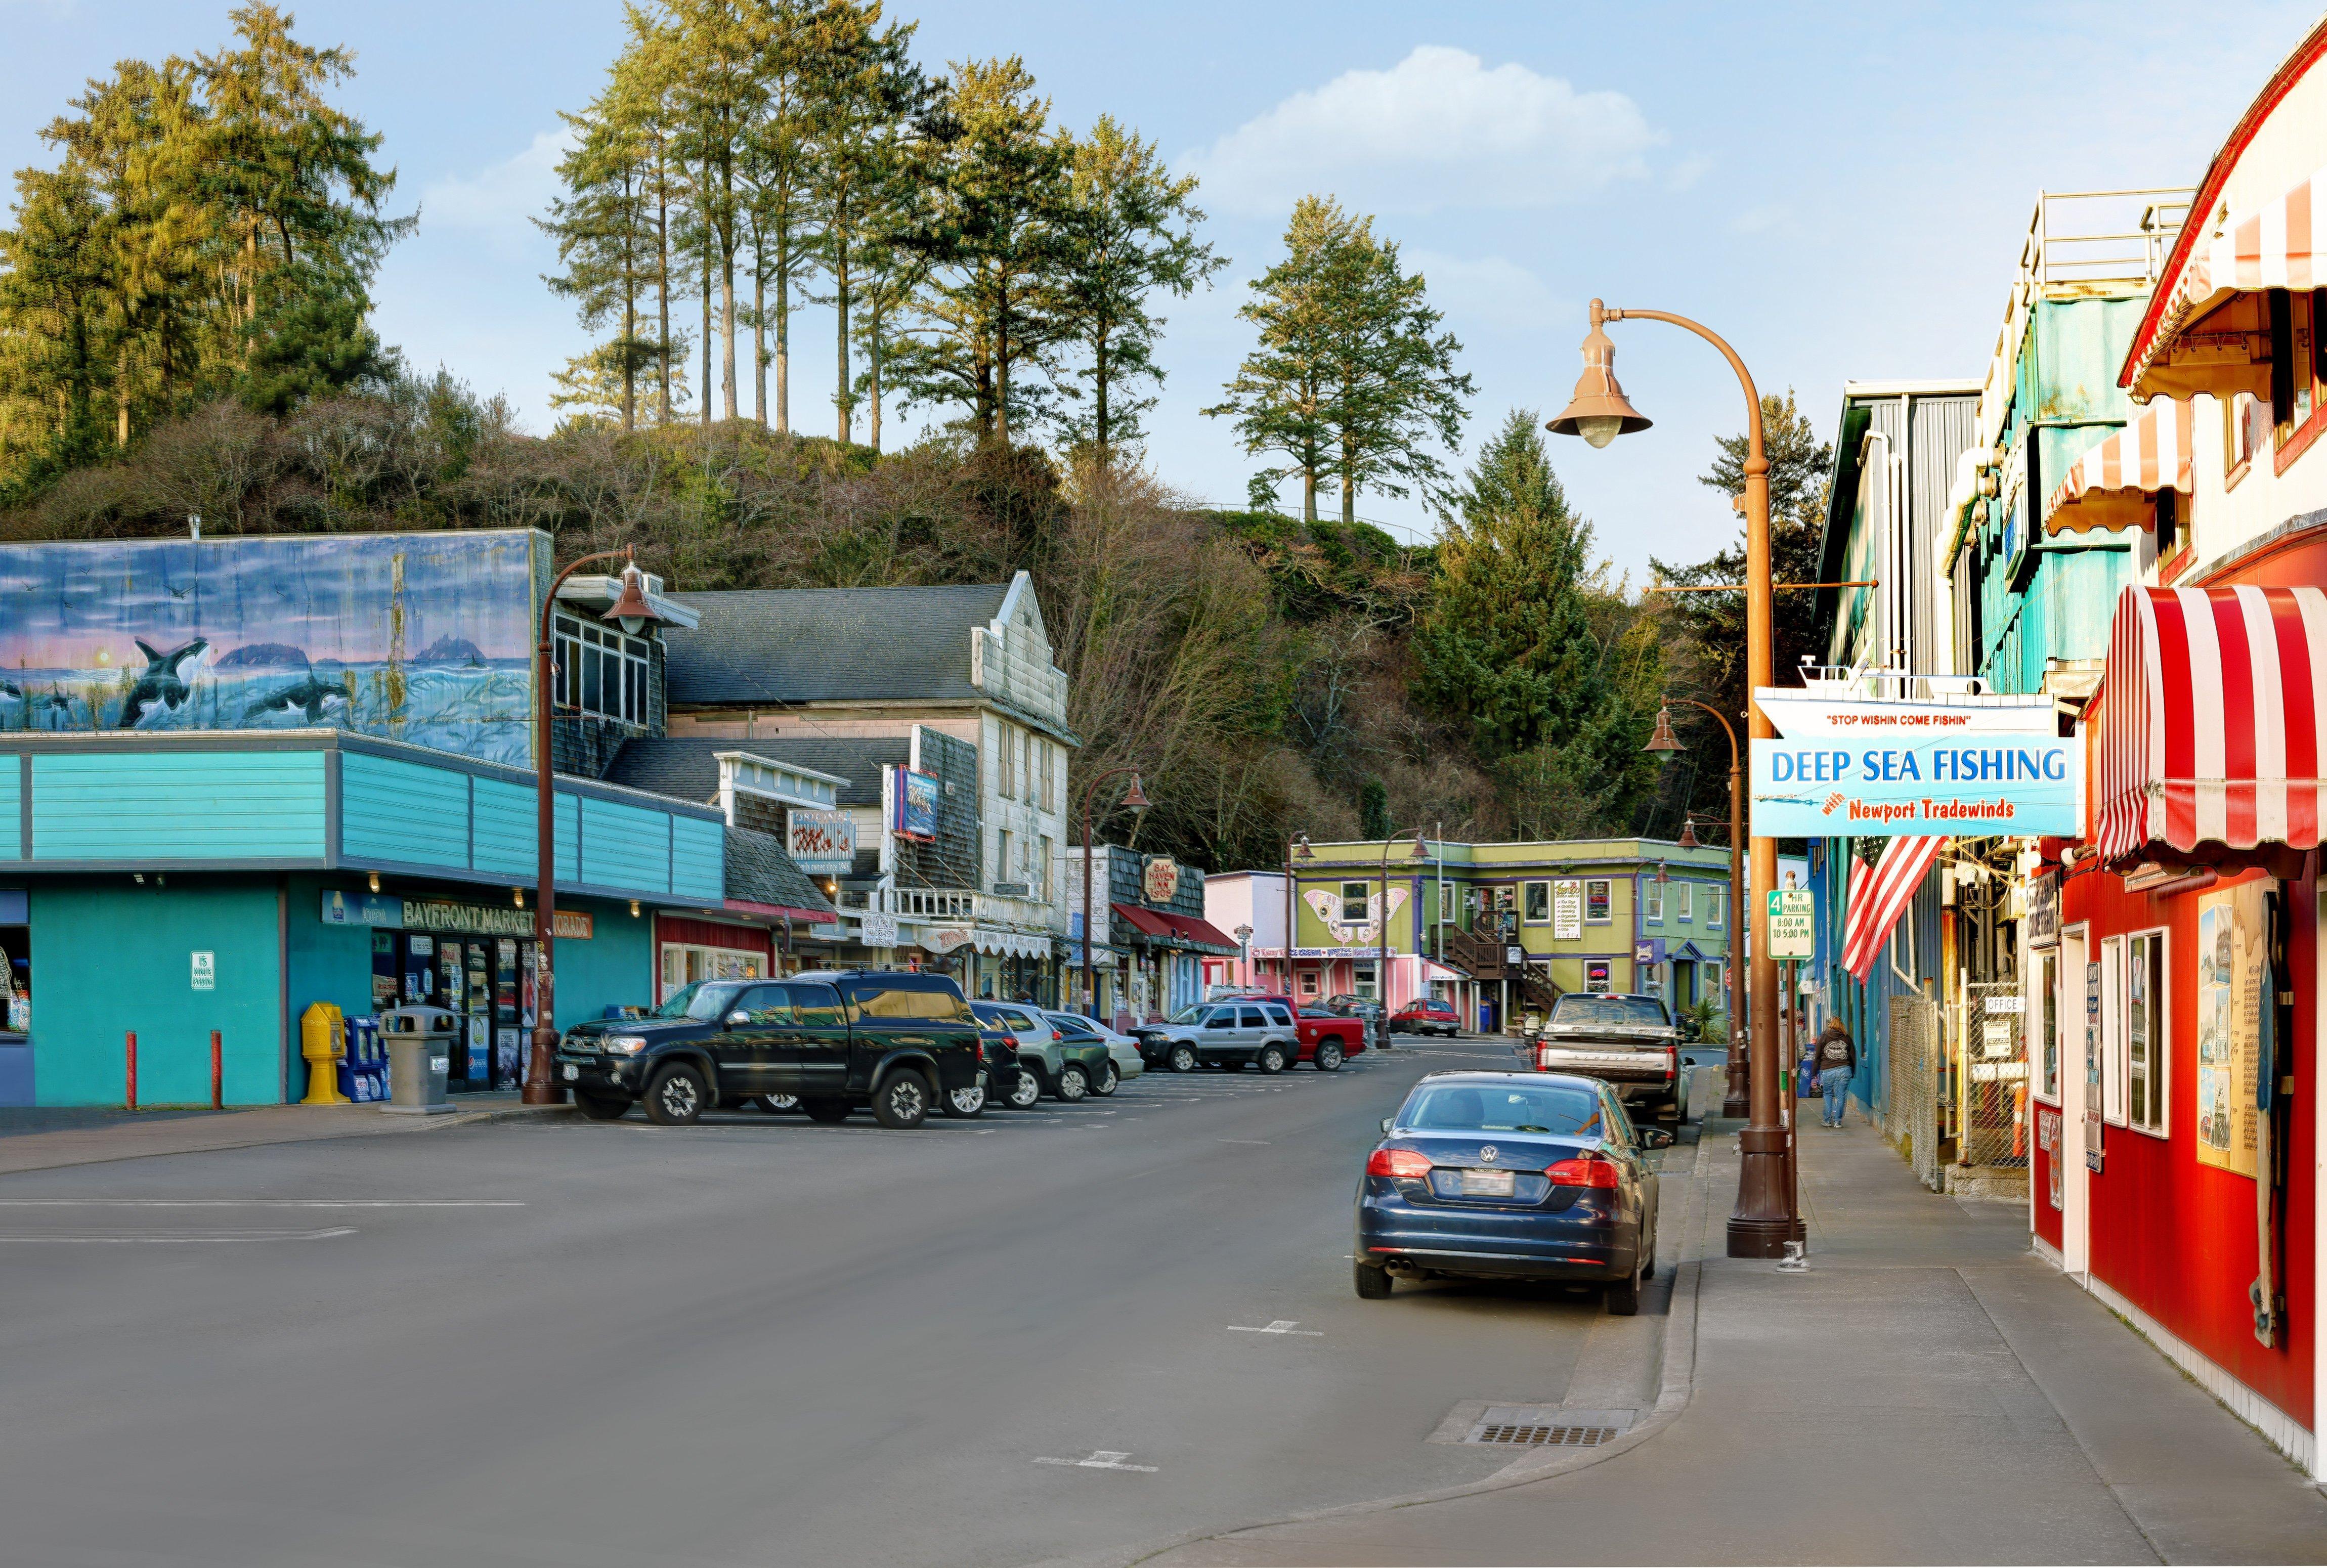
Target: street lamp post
[631,612]
[1137,801]
[1382,975]
[1762,1223]
[1297,850]
[1735,1101]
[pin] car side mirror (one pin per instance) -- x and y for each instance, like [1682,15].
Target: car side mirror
[737,1018]
[1656,1137]
[1385,1121]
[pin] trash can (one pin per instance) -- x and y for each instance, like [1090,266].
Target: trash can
[419,1057]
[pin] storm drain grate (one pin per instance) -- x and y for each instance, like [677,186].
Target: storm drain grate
[1547,1436]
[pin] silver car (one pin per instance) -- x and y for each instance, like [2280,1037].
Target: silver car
[1121,1048]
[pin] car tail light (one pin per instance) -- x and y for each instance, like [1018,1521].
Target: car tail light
[1405,1163]
[1672,1062]
[1591,1171]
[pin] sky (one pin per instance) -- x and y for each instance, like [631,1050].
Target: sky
[1840,191]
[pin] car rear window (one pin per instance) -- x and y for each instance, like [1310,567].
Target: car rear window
[1495,1108]
[1017,1020]
[1616,1012]
[907,1000]
[1278,1016]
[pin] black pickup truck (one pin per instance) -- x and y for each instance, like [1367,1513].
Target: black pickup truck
[839,1041]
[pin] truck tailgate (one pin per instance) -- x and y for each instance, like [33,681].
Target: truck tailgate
[1612,1064]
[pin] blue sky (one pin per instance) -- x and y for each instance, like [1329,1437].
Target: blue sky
[1841,190]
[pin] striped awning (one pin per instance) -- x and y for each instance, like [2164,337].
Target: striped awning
[2204,333]
[2116,484]
[2210,735]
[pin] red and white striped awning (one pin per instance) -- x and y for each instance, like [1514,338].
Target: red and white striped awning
[2190,343]
[2210,736]
[2116,484]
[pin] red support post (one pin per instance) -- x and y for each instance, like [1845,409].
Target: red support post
[218,1073]
[132,1097]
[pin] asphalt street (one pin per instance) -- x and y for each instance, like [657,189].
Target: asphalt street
[752,1341]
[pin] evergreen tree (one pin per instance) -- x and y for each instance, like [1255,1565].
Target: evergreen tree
[1128,231]
[604,230]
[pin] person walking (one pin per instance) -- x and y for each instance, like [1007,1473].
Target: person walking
[1837,1059]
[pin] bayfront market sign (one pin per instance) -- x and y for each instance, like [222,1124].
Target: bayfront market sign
[445,916]
[1965,786]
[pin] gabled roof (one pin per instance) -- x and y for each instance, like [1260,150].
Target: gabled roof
[758,872]
[806,645]
[687,768]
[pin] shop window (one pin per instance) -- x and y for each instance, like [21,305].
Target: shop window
[1652,980]
[1684,901]
[2046,1040]
[1598,901]
[1363,981]
[1652,901]
[1597,977]
[1538,903]
[2112,1034]
[1353,902]
[601,672]
[683,965]
[1309,983]
[17,979]
[2145,1033]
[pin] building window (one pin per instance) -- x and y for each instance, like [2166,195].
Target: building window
[2112,1035]
[1539,903]
[2047,1041]
[1597,901]
[1445,901]
[601,672]
[1596,976]
[1002,867]
[1652,901]
[1716,905]
[1353,904]
[1684,901]
[2245,423]
[1362,982]
[1004,743]
[2145,1033]
[1653,979]
[1308,982]
[1049,754]
[1043,872]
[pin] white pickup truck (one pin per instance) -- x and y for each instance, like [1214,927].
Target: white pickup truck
[1628,1042]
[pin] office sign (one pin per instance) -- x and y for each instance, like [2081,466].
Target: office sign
[1793,924]
[1567,911]
[823,841]
[1963,786]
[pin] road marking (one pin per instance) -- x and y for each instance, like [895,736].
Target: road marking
[1261,1143]
[258,1203]
[1281,1326]
[182,1240]
[1101,1459]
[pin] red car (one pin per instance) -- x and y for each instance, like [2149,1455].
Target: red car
[1427,1015]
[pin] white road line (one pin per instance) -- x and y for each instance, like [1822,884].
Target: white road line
[1261,1143]
[1101,1459]
[1279,1326]
[183,1240]
[258,1203]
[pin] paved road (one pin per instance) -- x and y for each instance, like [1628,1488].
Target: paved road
[757,1340]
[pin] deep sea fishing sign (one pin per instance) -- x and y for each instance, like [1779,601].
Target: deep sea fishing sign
[1877,781]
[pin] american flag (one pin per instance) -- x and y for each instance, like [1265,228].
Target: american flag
[1879,895]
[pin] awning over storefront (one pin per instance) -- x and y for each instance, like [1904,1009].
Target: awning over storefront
[2205,330]
[1433,970]
[2210,741]
[2116,484]
[1164,930]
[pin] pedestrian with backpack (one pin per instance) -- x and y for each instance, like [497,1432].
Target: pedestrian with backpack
[1837,1059]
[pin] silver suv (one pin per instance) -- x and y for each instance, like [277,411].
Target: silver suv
[1226,1034]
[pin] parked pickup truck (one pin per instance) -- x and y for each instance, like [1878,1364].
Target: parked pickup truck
[1628,1042]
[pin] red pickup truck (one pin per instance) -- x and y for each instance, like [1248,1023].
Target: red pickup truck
[1317,1026]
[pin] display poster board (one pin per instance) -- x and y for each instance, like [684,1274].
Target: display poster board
[1567,910]
[2232,963]
[2048,1136]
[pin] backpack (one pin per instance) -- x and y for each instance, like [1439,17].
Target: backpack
[1834,1053]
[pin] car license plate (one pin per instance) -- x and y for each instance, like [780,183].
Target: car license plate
[1486,1184]
[572,1072]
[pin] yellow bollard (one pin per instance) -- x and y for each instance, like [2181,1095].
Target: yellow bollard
[322,1040]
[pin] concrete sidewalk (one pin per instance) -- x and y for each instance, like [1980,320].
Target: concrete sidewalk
[1930,1392]
[43,1139]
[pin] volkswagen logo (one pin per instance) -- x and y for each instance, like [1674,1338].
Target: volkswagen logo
[1487,1151]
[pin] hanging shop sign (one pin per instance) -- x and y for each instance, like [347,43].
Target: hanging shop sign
[2041,926]
[877,930]
[1567,911]
[1649,950]
[823,841]
[912,804]
[1965,786]
[1793,931]
[401,914]
[1159,877]
[1804,714]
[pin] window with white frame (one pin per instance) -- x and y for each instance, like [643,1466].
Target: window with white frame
[1716,907]
[1598,902]
[1308,982]
[601,672]
[2044,1040]
[1002,769]
[1652,901]
[1049,755]
[1537,903]
[1362,980]
[2145,1033]
[1354,898]
[2112,1042]
[1684,901]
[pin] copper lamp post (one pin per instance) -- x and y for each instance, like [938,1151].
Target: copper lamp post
[632,613]
[1734,1100]
[1762,1221]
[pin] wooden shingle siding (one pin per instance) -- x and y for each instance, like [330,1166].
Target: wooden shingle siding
[394,810]
[110,806]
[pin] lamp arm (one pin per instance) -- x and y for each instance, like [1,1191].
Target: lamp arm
[1728,728]
[1755,453]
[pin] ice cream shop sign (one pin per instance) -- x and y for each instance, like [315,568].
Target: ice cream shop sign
[346,909]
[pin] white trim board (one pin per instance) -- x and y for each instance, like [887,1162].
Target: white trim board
[2278,1428]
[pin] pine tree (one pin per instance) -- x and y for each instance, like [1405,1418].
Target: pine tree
[1128,231]
[605,238]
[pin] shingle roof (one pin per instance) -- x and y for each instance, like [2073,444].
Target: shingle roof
[805,645]
[758,872]
[687,768]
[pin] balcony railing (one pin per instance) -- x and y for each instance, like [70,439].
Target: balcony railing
[952,905]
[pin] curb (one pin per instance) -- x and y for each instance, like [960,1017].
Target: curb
[1676,1381]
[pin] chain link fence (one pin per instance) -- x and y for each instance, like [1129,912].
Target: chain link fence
[1995,1128]
[1911,1108]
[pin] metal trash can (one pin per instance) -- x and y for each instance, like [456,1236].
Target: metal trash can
[419,1057]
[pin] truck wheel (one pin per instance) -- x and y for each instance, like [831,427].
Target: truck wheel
[602,1107]
[902,1102]
[677,1094]
[1329,1057]
[1073,1082]
[1183,1058]
[1373,1284]
[962,1105]
[826,1111]
[1109,1078]
[777,1104]
[1271,1058]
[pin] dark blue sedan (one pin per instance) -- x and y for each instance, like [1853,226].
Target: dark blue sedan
[1511,1175]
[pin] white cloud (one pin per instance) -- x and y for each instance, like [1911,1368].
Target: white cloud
[499,201]
[1488,291]
[1761,219]
[1438,129]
